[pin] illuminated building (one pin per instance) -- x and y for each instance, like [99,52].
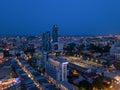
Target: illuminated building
[56,69]
[7,82]
[1,55]
[115,50]
[10,84]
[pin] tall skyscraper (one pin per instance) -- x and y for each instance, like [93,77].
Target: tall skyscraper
[55,38]
[55,34]
[46,45]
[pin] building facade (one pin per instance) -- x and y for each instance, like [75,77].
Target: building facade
[46,41]
[115,50]
[56,69]
[55,34]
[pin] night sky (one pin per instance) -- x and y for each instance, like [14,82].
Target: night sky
[74,17]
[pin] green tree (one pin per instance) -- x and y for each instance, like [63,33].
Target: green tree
[84,85]
[98,83]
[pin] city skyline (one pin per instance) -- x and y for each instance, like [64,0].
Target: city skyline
[73,17]
[67,62]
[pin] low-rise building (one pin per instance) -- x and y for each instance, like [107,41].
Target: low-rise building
[65,86]
[56,69]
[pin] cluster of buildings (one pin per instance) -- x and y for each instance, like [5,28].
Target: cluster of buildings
[51,42]
[32,80]
[55,68]
[8,81]
[115,49]
[53,62]
[41,52]
[95,56]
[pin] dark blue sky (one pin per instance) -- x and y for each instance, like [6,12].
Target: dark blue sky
[81,17]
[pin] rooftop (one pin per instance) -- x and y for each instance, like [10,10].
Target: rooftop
[67,85]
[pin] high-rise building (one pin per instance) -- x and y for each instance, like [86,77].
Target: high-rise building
[56,69]
[46,45]
[55,38]
[55,34]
